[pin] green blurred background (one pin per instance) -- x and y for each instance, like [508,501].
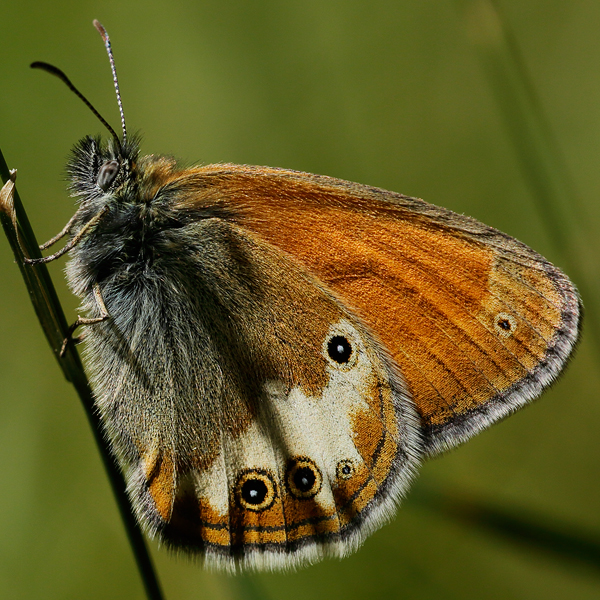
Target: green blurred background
[409,95]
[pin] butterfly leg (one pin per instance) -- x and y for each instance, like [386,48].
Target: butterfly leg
[7,204]
[66,229]
[86,321]
[89,226]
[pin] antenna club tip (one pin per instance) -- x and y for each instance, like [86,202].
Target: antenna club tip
[44,66]
[100,29]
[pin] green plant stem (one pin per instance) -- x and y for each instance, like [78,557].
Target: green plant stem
[54,324]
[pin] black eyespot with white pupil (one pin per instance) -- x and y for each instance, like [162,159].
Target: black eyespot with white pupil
[505,324]
[303,478]
[345,469]
[107,173]
[255,490]
[339,349]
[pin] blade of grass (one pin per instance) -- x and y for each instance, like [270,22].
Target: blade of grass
[54,324]
[556,540]
[542,164]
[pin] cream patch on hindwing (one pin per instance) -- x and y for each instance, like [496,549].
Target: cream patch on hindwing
[215,480]
[304,444]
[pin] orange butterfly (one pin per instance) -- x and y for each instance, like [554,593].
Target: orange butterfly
[273,353]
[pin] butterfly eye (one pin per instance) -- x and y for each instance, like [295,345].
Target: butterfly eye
[106,175]
[345,469]
[339,349]
[255,490]
[304,478]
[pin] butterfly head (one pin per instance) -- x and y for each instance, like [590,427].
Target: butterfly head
[99,169]
[102,169]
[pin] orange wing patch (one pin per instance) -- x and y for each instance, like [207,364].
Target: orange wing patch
[159,471]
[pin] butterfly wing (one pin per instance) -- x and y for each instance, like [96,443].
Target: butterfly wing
[272,377]
[478,323]
[259,420]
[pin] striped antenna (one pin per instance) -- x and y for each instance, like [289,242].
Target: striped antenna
[106,40]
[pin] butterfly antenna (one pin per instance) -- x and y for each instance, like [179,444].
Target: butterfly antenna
[58,73]
[106,40]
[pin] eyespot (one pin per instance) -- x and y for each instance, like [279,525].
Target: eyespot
[345,469]
[339,349]
[342,346]
[255,490]
[303,478]
[505,324]
[107,173]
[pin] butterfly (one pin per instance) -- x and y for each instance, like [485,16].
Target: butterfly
[274,353]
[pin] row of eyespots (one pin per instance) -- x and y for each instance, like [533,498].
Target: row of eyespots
[256,489]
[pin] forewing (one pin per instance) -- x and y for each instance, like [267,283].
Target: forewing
[478,322]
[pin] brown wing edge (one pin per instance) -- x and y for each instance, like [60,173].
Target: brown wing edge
[440,438]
